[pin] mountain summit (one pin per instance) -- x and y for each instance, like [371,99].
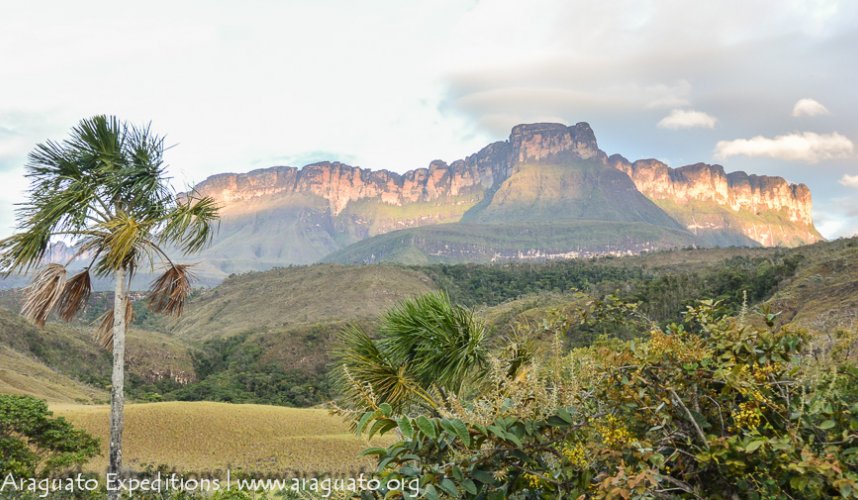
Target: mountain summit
[548,191]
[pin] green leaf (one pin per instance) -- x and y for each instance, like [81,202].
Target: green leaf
[565,415]
[381,426]
[754,445]
[406,427]
[449,487]
[483,477]
[363,421]
[430,492]
[556,421]
[374,451]
[469,486]
[461,431]
[828,424]
[497,431]
[426,426]
[512,437]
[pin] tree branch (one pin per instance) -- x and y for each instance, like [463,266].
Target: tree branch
[691,418]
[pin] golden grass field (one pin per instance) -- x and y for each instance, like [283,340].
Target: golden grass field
[207,438]
[21,374]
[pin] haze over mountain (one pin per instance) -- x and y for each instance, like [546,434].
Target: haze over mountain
[548,191]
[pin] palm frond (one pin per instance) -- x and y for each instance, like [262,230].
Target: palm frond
[142,181]
[190,224]
[75,294]
[125,240]
[366,374]
[44,292]
[444,343]
[169,293]
[22,251]
[103,333]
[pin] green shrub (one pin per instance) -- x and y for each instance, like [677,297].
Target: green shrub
[714,407]
[33,444]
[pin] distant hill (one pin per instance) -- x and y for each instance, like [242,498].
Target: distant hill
[286,298]
[823,294]
[483,243]
[62,363]
[540,194]
[268,336]
[545,174]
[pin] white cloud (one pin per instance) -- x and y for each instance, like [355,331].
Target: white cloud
[849,181]
[809,107]
[687,118]
[804,146]
[399,84]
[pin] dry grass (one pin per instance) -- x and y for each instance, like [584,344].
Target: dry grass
[21,374]
[283,299]
[823,295]
[211,437]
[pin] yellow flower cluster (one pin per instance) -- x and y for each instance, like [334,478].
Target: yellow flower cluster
[613,431]
[748,416]
[576,454]
[659,343]
[668,345]
[761,373]
[532,480]
[754,394]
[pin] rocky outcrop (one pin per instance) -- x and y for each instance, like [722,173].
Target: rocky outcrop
[553,142]
[341,184]
[738,192]
[284,215]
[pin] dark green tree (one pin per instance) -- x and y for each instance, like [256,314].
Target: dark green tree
[32,443]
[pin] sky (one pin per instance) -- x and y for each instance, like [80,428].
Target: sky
[767,87]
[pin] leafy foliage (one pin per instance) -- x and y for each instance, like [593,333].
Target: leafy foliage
[233,370]
[425,344]
[34,444]
[663,291]
[712,407]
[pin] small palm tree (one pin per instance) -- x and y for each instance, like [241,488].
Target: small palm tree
[425,346]
[104,191]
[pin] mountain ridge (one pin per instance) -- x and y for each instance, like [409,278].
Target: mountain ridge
[288,215]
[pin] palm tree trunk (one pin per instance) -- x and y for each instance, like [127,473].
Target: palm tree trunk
[117,387]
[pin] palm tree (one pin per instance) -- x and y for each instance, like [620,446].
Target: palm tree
[425,346]
[103,190]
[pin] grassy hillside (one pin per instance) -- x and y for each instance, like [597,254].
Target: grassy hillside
[211,437]
[716,224]
[68,352]
[823,294]
[266,337]
[483,243]
[582,190]
[22,374]
[286,298]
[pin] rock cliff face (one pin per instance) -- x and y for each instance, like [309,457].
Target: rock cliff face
[543,142]
[696,194]
[284,215]
[342,184]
